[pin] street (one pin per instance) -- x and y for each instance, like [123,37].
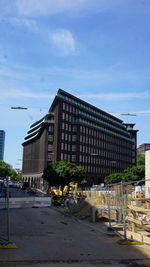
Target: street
[17,192]
[45,236]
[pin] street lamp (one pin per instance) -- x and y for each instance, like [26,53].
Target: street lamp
[128,114]
[19,108]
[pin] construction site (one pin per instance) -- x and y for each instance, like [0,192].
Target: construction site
[123,207]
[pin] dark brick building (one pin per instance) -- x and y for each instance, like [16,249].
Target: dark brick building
[81,133]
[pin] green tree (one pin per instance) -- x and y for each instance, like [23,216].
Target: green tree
[113,178]
[14,176]
[134,173]
[62,172]
[5,169]
[140,159]
[50,175]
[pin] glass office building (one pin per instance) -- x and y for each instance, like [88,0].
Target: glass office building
[2,143]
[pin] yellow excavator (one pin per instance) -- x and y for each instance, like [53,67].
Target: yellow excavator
[59,195]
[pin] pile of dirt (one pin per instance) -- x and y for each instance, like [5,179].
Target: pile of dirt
[81,209]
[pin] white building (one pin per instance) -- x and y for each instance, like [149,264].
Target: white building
[147,173]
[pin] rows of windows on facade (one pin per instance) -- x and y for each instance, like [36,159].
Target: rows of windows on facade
[79,132]
[2,143]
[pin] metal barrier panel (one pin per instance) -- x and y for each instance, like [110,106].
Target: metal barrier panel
[12,198]
[4,212]
[129,209]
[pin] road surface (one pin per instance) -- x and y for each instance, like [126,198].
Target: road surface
[45,237]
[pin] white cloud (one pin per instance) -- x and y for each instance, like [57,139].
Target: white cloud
[63,41]
[35,8]
[25,22]
[51,7]
[24,94]
[47,7]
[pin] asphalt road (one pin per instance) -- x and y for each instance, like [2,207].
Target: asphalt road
[45,237]
[17,192]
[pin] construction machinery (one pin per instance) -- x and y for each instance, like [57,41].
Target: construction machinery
[59,195]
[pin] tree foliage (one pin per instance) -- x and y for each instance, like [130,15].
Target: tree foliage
[16,177]
[6,170]
[113,178]
[140,159]
[62,172]
[134,173]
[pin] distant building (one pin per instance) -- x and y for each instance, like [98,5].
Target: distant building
[76,131]
[142,148]
[2,143]
[18,171]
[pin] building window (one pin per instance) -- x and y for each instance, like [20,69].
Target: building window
[64,106]
[74,138]
[62,146]
[51,128]
[69,118]
[63,116]
[73,158]
[50,147]
[62,136]
[50,138]
[73,147]
[74,128]
[50,157]
[66,116]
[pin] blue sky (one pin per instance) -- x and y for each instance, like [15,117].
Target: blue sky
[96,50]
